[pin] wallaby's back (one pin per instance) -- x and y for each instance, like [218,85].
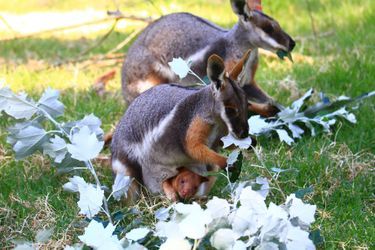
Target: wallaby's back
[171,36]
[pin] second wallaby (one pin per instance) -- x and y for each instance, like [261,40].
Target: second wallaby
[170,126]
[195,39]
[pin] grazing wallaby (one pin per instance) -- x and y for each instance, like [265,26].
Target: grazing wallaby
[195,39]
[170,126]
[184,185]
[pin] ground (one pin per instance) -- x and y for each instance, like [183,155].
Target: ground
[335,54]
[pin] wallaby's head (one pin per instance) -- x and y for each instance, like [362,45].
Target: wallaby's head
[262,30]
[186,183]
[230,99]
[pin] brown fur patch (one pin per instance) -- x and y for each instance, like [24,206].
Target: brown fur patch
[196,140]
[150,81]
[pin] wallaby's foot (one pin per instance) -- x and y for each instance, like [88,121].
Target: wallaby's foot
[263,109]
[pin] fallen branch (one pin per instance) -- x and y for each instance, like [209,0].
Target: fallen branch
[112,16]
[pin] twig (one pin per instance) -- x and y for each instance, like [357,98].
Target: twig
[112,16]
[314,36]
[311,18]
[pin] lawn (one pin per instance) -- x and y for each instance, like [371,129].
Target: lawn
[335,54]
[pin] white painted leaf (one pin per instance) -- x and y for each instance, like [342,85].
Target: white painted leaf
[173,244]
[276,211]
[223,239]
[244,221]
[100,238]
[193,225]
[267,246]
[135,246]
[170,230]
[77,246]
[27,141]
[90,200]
[121,186]
[25,246]
[162,213]
[74,184]
[218,207]
[298,239]
[253,200]
[304,212]
[49,102]
[239,245]
[241,143]
[233,156]
[296,130]
[265,186]
[258,125]
[93,123]
[274,229]
[296,105]
[137,233]
[16,105]
[283,135]
[85,145]
[55,148]
[43,235]
[179,67]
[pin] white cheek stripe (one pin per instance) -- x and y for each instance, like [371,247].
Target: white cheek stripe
[143,149]
[225,118]
[266,38]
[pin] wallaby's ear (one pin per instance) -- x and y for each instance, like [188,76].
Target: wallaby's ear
[241,8]
[216,70]
[239,66]
[247,73]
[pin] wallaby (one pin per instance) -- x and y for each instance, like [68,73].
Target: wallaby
[195,39]
[184,185]
[170,126]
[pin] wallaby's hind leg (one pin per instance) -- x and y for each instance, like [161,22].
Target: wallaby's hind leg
[145,72]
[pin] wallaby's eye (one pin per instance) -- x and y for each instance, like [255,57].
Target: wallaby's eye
[268,28]
[231,112]
[182,181]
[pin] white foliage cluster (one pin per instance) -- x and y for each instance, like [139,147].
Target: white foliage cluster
[245,222]
[90,196]
[288,117]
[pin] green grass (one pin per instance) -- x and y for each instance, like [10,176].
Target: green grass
[339,166]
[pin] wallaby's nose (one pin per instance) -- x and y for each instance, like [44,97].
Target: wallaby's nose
[292,44]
